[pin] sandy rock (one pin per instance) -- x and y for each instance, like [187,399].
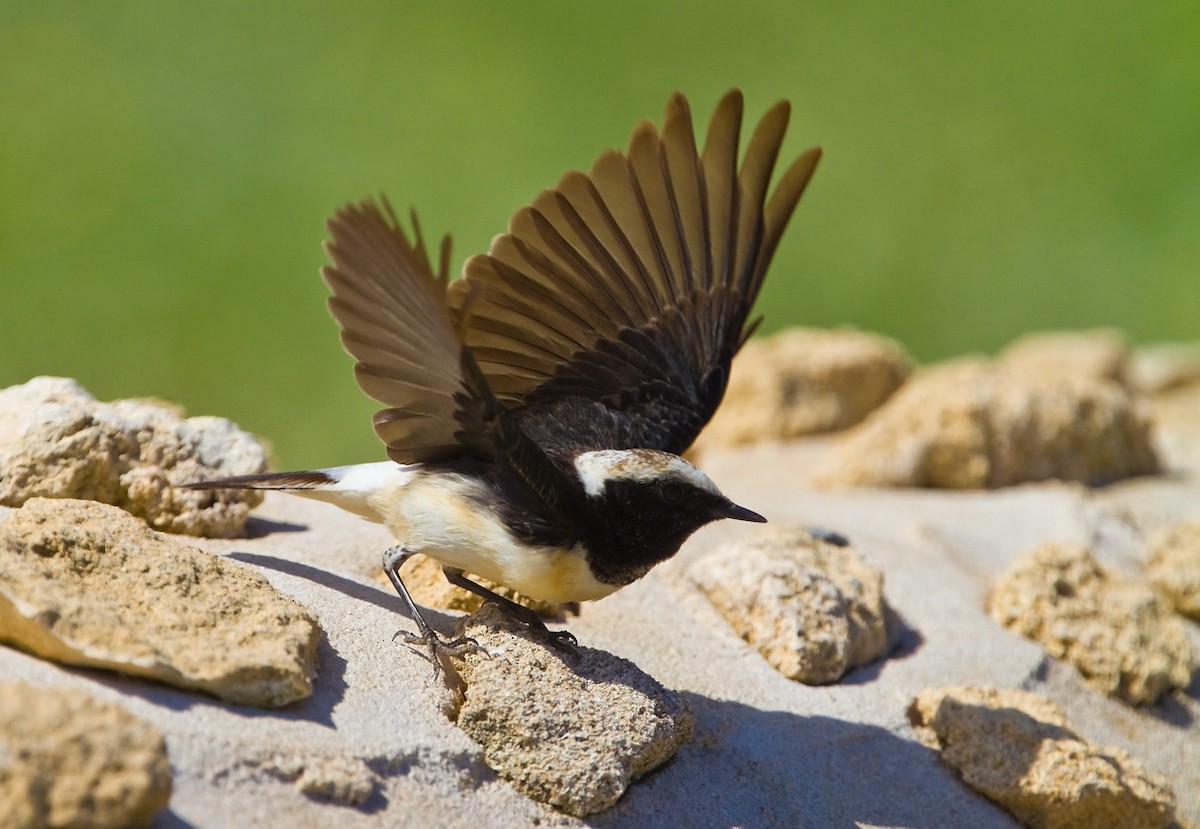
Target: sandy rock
[813,609]
[802,381]
[1101,354]
[1119,634]
[1177,427]
[69,759]
[1017,749]
[572,732]
[87,584]
[57,441]
[345,781]
[424,579]
[1175,567]
[1163,367]
[974,425]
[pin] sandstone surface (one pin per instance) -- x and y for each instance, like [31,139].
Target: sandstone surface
[57,441]
[87,584]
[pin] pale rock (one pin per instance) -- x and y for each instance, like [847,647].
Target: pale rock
[68,759]
[1017,749]
[345,781]
[1101,353]
[812,608]
[1120,635]
[57,441]
[803,381]
[1165,367]
[1174,567]
[569,731]
[1176,415]
[87,584]
[970,424]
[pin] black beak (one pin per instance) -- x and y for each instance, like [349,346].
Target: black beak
[741,514]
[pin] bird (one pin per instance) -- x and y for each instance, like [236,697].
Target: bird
[537,408]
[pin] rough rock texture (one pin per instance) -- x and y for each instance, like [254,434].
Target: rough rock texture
[57,441]
[803,381]
[572,732]
[1175,567]
[813,609]
[1101,353]
[974,425]
[69,759]
[424,579]
[1119,634]
[87,584]
[1017,749]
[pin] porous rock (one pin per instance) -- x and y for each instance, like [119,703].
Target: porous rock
[804,381]
[69,759]
[975,425]
[570,731]
[812,608]
[1100,353]
[1121,636]
[83,583]
[1017,749]
[1174,567]
[57,441]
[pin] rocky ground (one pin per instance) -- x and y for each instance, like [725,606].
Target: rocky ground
[996,702]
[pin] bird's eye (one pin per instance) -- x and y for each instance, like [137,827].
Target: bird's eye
[671,493]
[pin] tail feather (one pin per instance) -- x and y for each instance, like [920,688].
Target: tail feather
[358,488]
[316,479]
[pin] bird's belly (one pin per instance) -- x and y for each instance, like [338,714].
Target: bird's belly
[432,518]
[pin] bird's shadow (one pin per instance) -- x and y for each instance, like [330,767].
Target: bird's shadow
[262,527]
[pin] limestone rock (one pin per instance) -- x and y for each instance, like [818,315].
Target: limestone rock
[87,584]
[572,732]
[1165,367]
[1101,354]
[1119,634]
[1177,427]
[57,441]
[813,609]
[424,579]
[802,381]
[1175,567]
[1017,749]
[69,759]
[974,425]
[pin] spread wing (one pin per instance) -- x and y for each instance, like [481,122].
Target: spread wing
[397,324]
[632,285]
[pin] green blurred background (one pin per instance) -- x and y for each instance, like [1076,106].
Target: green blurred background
[166,169]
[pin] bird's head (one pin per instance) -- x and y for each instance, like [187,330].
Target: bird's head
[642,505]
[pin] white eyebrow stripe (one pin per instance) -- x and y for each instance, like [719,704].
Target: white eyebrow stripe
[596,468]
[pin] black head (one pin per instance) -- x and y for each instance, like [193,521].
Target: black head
[642,505]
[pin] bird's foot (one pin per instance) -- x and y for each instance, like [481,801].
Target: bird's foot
[436,650]
[562,640]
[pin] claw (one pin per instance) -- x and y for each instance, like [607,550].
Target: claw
[563,640]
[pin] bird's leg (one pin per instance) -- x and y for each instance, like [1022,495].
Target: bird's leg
[393,560]
[561,639]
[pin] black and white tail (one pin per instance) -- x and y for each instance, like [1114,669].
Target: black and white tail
[359,488]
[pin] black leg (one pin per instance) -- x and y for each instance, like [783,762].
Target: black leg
[561,639]
[437,648]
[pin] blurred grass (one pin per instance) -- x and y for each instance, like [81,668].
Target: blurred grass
[166,168]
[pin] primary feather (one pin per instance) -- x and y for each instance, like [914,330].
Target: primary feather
[606,317]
